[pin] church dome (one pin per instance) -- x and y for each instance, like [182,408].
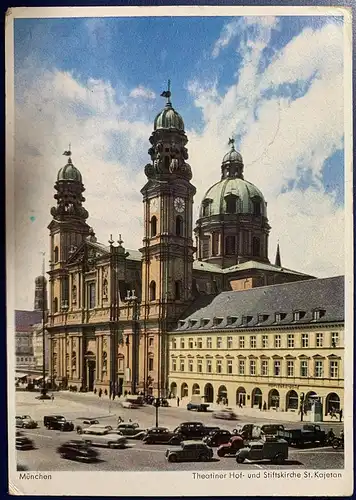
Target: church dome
[232,156]
[69,173]
[245,198]
[168,118]
[40,280]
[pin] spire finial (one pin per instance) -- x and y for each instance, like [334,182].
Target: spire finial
[232,142]
[120,241]
[111,241]
[278,257]
[68,152]
[167,93]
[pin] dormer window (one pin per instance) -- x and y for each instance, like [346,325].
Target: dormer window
[206,207]
[217,321]
[181,323]
[262,318]
[318,314]
[204,322]
[256,207]
[298,315]
[231,201]
[231,320]
[192,322]
[246,320]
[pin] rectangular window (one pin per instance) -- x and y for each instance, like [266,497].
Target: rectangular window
[241,367]
[200,365]
[218,342]
[264,367]
[190,365]
[277,341]
[252,367]
[304,368]
[190,342]
[209,343]
[290,340]
[92,297]
[319,340]
[290,368]
[305,340]
[334,339]
[150,341]
[208,366]
[200,343]
[253,342]
[182,365]
[229,342]
[334,369]
[150,364]
[241,342]
[174,343]
[182,343]
[229,366]
[318,369]
[264,341]
[174,365]
[277,368]
[219,366]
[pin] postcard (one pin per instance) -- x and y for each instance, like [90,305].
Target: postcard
[179,251]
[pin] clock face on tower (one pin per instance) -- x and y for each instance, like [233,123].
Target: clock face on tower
[179,204]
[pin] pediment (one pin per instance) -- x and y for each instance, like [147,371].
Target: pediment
[88,251]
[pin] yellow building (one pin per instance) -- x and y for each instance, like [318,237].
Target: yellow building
[264,345]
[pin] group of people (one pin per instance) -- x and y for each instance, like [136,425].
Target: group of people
[333,413]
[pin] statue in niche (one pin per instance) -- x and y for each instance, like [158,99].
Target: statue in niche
[173,165]
[74,294]
[105,288]
[105,360]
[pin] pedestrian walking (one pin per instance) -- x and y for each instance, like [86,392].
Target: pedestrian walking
[100,392]
[264,406]
[52,398]
[260,405]
[178,401]
[340,415]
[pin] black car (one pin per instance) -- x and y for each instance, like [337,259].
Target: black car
[78,450]
[191,430]
[159,435]
[24,443]
[162,402]
[58,422]
[217,438]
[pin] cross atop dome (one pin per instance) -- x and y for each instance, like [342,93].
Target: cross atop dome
[232,143]
[167,93]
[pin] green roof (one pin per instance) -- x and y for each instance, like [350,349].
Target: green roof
[69,173]
[169,118]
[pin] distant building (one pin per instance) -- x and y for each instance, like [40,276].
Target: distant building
[37,343]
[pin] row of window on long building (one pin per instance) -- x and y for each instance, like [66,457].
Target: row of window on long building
[254,367]
[277,341]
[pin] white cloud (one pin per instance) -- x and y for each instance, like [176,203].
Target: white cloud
[141,91]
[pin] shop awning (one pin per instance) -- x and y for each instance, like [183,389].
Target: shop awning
[21,375]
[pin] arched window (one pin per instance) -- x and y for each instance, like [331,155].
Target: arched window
[231,204]
[179,225]
[215,243]
[256,247]
[153,290]
[256,207]
[55,305]
[177,290]
[153,226]
[55,254]
[206,208]
[230,245]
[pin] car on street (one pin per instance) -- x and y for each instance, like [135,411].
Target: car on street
[84,423]
[159,435]
[58,422]
[256,431]
[197,406]
[130,405]
[308,434]
[78,450]
[109,440]
[161,402]
[190,451]
[131,430]
[225,414]
[97,429]
[218,437]
[273,449]
[230,448]
[25,422]
[24,443]
[191,430]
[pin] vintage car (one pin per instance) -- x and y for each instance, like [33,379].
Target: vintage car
[130,405]
[84,423]
[24,443]
[191,430]
[225,414]
[109,439]
[58,422]
[77,450]
[131,430]
[256,431]
[217,438]
[97,429]
[197,406]
[231,447]
[159,435]
[25,422]
[162,402]
[190,451]
[273,449]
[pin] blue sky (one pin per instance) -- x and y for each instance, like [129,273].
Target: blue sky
[95,82]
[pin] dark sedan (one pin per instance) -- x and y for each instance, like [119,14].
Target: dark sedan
[160,435]
[78,450]
[24,443]
[218,438]
[131,431]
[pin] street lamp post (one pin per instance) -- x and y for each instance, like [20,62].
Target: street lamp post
[44,388]
[132,299]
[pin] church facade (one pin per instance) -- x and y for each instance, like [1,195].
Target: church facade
[111,308]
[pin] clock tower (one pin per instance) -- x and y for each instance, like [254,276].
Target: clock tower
[167,252]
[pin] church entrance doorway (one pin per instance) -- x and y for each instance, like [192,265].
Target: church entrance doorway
[90,364]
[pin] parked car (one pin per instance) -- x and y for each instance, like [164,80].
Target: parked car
[130,405]
[191,430]
[217,438]
[97,429]
[226,414]
[231,447]
[197,406]
[109,439]
[84,423]
[26,422]
[310,433]
[159,435]
[24,443]
[274,449]
[77,450]
[58,422]
[131,431]
[256,431]
[190,451]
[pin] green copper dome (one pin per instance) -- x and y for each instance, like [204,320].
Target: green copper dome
[232,156]
[69,173]
[249,199]
[169,118]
